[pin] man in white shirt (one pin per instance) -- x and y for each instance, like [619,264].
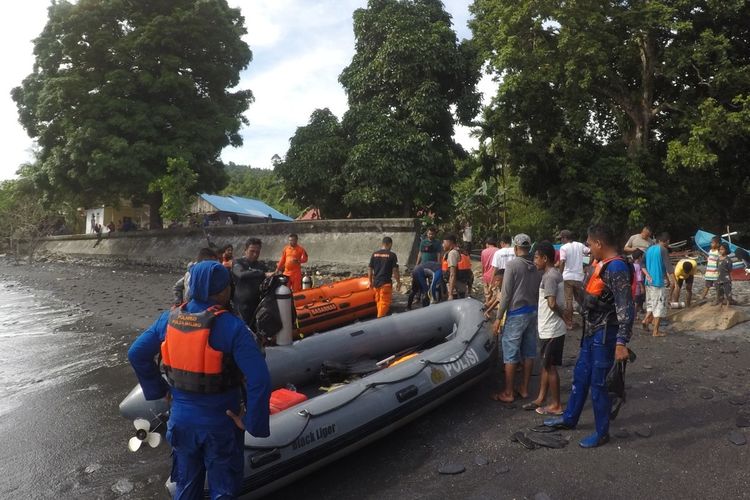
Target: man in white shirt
[571,265]
[502,256]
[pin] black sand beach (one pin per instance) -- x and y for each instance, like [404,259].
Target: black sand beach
[65,438]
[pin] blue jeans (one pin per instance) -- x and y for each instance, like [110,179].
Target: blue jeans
[519,337]
[595,359]
[196,452]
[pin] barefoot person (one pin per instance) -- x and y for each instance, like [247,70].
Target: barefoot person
[712,269]
[551,328]
[724,281]
[608,324]
[684,272]
[657,270]
[519,299]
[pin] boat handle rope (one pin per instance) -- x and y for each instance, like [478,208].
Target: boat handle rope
[425,363]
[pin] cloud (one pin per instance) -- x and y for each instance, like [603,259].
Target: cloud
[299,49]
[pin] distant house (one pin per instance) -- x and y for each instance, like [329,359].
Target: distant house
[220,209]
[125,215]
[311,214]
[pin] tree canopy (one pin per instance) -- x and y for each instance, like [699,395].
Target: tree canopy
[119,86]
[593,94]
[407,75]
[313,167]
[393,153]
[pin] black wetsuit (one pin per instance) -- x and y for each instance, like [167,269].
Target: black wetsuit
[247,277]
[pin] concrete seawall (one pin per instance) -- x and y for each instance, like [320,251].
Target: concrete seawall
[345,244]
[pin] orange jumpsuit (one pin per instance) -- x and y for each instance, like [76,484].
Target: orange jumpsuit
[290,263]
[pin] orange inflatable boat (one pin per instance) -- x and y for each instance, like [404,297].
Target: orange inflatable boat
[328,306]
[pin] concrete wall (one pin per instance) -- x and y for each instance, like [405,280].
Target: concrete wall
[345,244]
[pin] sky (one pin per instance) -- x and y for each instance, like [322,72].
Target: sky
[299,49]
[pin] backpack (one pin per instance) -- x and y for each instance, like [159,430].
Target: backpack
[267,315]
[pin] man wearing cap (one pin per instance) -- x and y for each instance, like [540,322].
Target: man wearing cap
[571,266]
[208,357]
[519,298]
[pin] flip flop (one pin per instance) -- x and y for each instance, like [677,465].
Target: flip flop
[545,411]
[543,429]
[548,441]
[530,406]
[521,438]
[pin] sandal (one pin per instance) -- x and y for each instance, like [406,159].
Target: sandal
[530,406]
[545,411]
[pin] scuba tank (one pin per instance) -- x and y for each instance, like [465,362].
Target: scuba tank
[283,297]
[307,282]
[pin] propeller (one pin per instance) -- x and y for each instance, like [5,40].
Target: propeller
[142,427]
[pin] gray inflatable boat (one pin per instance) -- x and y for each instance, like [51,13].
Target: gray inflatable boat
[448,348]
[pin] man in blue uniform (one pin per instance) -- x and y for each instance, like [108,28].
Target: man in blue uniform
[608,312]
[208,355]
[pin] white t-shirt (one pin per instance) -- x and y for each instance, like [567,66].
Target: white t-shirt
[502,257]
[572,253]
[550,324]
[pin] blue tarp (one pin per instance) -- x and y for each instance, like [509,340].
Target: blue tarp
[244,207]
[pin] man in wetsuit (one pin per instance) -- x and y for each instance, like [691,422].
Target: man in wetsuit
[208,355]
[608,313]
[248,274]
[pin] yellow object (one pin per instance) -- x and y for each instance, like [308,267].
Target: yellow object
[404,358]
[679,272]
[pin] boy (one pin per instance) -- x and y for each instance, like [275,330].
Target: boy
[724,280]
[712,271]
[551,327]
[640,291]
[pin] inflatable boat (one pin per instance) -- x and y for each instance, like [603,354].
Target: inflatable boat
[418,360]
[328,306]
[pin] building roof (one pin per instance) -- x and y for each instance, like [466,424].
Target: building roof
[244,206]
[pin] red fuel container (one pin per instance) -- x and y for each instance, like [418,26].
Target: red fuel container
[281,399]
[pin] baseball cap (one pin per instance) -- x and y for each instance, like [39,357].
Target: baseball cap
[522,240]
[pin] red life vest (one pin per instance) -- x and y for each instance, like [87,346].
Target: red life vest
[188,361]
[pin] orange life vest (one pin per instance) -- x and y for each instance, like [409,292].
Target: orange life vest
[188,361]
[595,287]
[463,270]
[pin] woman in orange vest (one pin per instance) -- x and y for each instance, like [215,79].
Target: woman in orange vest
[292,258]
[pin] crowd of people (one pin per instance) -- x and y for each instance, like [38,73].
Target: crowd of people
[219,383]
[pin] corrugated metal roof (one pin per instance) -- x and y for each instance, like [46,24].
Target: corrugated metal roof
[244,206]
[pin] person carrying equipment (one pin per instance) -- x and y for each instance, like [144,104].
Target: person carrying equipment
[292,258]
[208,357]
[608,313]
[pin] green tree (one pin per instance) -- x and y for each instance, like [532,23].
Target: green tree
[408,74]
[592,92]
[312,170]
[260,184]
[177,188]
[24,218]
[120,86]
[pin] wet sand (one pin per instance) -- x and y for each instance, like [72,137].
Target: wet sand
[67,439]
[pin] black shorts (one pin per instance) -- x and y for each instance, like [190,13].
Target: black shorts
[689,281]
[552,351]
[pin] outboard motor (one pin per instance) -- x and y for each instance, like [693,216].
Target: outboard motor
[284,302]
